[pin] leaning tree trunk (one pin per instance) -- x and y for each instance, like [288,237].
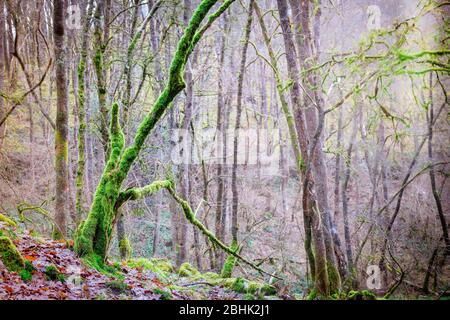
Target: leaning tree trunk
[62,117]
[94,234]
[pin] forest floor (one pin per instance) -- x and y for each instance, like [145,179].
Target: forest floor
[57,273]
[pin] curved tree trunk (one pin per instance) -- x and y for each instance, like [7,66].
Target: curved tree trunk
[94,234]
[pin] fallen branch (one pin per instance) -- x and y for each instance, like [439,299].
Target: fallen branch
[138,193]
[23,207]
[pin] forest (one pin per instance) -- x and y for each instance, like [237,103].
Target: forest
[224,150]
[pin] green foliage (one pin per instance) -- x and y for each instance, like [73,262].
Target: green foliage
[94,234]
[312,295]
[242,285]
[96,262]
[163,265]
[239,285]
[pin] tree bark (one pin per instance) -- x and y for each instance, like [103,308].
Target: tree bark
[227,269]
[62,117]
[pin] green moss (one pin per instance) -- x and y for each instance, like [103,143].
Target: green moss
[187,270]
[361,295]
[334,278]
[228,266]
[118,286]
[94,234]
[165,295]
[312,294]
[10,256]
[52,273]
[161,267]
[249,296]
[242,285]
[7,220]
[125,248]
[96,262]
[27,273]
[238,285]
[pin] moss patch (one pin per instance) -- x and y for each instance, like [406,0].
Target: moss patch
[163,265]
[118,286]
[187,270]
[159,266]
[52,273]
[230,262]
[361,295]
[125,248]
[165,295]
[239,285]
[242,285]
[10,256]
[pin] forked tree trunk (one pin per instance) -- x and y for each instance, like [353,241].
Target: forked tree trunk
[94,234]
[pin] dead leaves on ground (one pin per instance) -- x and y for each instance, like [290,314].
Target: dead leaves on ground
[81,282]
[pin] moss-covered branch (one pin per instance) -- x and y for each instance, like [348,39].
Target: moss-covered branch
[173,87]
[211,19]
[190,216]
[139,193]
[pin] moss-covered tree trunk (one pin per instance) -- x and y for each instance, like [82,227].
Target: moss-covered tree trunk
[293,135]
[62,118]
[94,234]
[100,37]
[80,174]
[316,172]
[314,238]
